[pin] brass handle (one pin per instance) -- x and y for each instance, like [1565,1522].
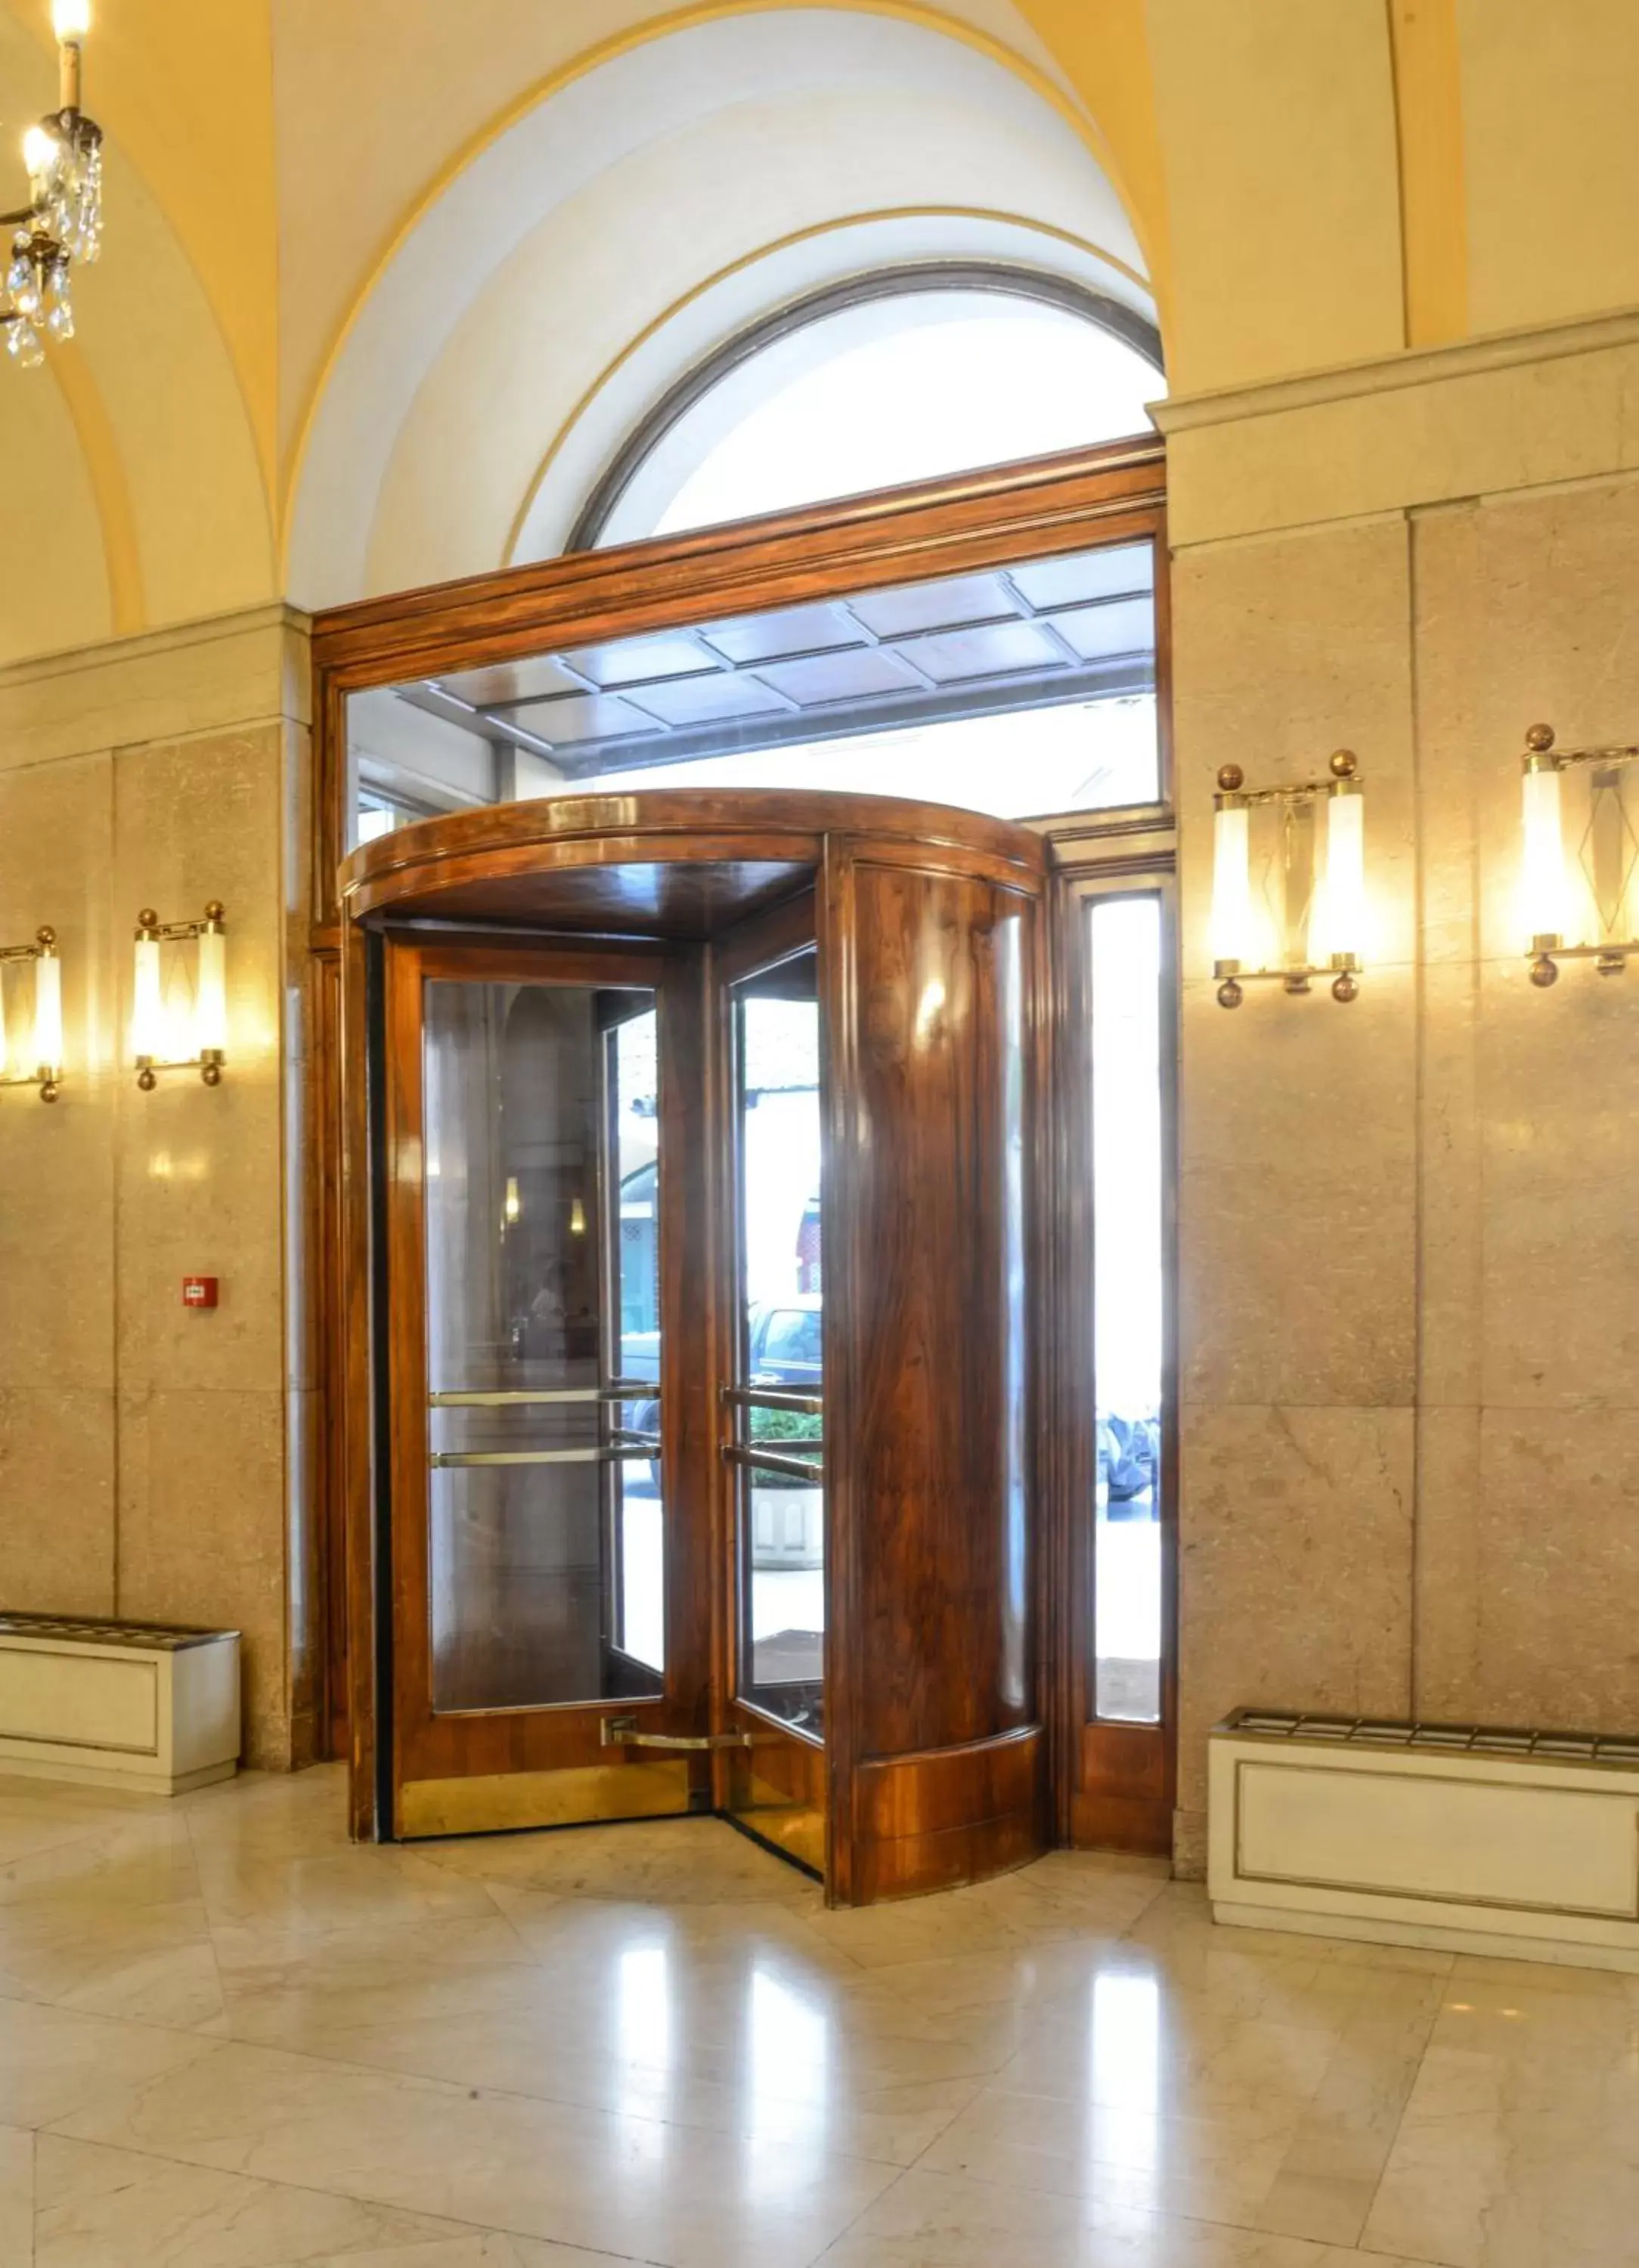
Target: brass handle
[621,1732]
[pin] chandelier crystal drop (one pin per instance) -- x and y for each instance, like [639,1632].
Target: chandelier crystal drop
[63,222]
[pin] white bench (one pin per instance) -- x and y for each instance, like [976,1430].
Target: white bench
[118,1705]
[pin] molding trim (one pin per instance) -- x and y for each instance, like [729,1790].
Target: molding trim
[267,614]
[1189,413]
[220,674]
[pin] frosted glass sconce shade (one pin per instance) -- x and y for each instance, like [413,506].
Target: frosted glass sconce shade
[1547,877]
[1346,873]
[1236,957]
[151,1031]
[1231,885]
[31,1049]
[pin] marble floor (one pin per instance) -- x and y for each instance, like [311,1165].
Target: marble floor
[228,2040]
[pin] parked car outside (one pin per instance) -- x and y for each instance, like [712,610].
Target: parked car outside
[1129,1458]
[784,1348]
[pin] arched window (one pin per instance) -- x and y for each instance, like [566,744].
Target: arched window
[1024,689]
[905,375]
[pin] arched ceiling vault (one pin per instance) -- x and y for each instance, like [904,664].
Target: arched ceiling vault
[1300,185]
[637,182]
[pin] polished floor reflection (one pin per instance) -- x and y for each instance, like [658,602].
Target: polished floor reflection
[228,2040]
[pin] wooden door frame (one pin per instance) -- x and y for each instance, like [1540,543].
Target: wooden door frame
[1111,494]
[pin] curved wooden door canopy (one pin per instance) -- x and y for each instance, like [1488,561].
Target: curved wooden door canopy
[961,1740]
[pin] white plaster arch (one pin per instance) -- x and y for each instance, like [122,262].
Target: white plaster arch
[636,216]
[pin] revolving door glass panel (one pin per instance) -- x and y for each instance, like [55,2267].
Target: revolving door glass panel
[545,1543]
[778,1451]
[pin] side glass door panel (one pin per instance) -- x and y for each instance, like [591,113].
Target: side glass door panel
[781,1373]
[1129,1276]
[773,1388]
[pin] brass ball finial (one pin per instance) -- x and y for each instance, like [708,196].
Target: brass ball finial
[45,935]
[215,910]
[1231,779]
[1539,739]
[1343,763]
[147,918]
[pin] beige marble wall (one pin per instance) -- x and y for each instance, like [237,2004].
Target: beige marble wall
[146,1460]
[1409,1228]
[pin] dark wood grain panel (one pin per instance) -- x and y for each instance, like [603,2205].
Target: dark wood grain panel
[989,518]
[931,977]
[916,1796]
[938,1326]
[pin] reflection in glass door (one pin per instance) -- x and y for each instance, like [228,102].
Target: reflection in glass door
[544,1512]
[778,1389]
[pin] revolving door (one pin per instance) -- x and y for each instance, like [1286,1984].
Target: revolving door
[692,1155]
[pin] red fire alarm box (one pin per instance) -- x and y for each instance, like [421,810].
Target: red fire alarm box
[199,1290]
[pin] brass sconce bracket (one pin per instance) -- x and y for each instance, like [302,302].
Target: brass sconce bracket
[209,932]
[47,1075]
[1543,762]
[1295,804]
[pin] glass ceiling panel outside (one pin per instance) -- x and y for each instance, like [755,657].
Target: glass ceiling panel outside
[775,698]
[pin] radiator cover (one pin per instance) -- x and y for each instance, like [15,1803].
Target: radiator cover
[118,1705]
[1480,1838]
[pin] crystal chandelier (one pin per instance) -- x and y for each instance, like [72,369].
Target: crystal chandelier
[63,222]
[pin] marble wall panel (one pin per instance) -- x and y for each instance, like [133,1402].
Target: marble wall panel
[1295,1566]
[1529,1255]
[202,1532]
[201,1168]
[1297,1207]
[149,1459]
[1529,1567]
[58,1452]
[1298,1198]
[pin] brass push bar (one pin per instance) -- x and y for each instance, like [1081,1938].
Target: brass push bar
[768,1398]
[621,1732]
[623,1389]
[765,1460]
[601,1456]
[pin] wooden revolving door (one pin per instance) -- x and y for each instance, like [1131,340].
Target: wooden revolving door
[692,1167]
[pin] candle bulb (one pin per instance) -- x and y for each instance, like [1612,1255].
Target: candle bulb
[70,20]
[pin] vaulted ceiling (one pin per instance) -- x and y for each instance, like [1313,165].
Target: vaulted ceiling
[384,281]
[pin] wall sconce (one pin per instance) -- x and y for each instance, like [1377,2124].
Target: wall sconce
[1235,945]
[1606,856]
[152,1029]
[38,1059]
